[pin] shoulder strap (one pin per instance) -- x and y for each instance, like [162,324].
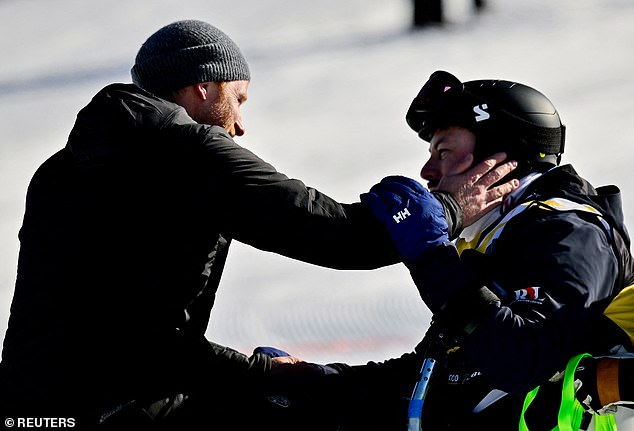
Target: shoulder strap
[484,244]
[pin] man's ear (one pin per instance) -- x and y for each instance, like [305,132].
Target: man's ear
[201,90]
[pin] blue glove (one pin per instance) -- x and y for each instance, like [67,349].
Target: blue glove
[271,352]
[414,218]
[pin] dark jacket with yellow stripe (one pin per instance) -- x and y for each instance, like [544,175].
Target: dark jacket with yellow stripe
[554,267]
[549,275]
[555,270]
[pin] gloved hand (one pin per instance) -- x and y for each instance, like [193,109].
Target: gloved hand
[414,218]
[271,352]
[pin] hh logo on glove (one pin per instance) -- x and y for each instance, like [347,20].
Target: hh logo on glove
[414,218]
[400,216]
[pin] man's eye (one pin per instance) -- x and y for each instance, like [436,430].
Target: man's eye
[442,153]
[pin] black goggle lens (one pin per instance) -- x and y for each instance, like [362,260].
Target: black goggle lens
[439,94]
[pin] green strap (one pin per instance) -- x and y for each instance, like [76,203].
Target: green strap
[604,423]
[527,402]
[570,410]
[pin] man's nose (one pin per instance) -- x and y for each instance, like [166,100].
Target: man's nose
[428,171]
[239,127]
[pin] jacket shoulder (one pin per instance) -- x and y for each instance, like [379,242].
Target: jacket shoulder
[120,119]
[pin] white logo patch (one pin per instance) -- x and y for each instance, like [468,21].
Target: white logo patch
[401,215]
[481,113]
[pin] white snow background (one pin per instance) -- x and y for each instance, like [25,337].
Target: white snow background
[332,81]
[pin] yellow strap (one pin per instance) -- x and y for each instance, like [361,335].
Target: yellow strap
[555,204]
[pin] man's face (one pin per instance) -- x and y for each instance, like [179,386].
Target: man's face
[450,150]
[222,106]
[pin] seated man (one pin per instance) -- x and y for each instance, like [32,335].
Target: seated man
[521,292]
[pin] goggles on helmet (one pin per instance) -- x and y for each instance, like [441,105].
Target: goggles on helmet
[505,116]
[443,100]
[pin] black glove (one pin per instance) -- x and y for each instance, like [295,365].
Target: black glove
[461,314]
[444,281]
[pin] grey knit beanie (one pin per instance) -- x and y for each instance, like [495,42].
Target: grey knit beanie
[185,53]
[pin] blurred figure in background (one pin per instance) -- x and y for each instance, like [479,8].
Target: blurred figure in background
[430,12]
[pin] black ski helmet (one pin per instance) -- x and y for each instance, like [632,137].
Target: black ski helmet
[504,116]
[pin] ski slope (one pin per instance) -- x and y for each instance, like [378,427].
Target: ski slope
[331,83]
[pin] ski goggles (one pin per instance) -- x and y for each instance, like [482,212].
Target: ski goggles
[441,101]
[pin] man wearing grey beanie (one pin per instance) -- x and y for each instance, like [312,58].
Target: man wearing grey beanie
[185,53]
[125,236]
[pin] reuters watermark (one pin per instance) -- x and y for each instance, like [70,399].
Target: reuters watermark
[39,422]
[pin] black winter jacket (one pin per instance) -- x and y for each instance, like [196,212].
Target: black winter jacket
[553,273]
[567,257]
[123,243]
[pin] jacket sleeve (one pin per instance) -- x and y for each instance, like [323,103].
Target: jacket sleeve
[554,276]
[261,207]
[192,360]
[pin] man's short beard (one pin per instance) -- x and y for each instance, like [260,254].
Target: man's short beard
[220,113]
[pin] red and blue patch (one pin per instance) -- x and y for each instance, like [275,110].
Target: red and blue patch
[529,294]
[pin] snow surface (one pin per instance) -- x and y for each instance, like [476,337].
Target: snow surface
[331,83]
